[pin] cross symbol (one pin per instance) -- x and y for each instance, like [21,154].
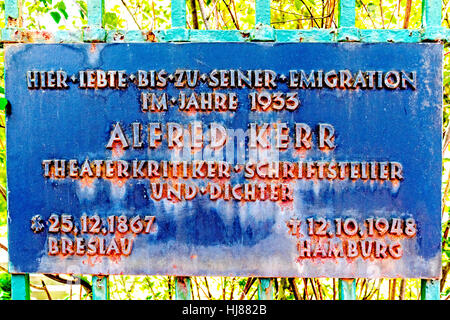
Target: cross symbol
[294,227]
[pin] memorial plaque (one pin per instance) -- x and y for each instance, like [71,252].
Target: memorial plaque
[225,159]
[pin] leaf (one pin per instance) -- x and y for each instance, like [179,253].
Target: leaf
[62,8]
[3,103]
[372,7]
[64,13]
[60,5]
[111,20]
[56,16]
[5,284]
[310,2]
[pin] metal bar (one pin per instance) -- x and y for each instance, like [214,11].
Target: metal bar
[178,32]
[13,20]
[20,286]
[100,288]
[347,289]
[12,13]
[95,12]
[178,13]
[431,13]
[346,21]
[183,288]
[431,20]
[263,31]
[265,289]
[347,14]
[262,12]
[113,36]
[390,35]
[430,289]
[95,31]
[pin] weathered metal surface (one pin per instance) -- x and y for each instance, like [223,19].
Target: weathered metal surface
[100,288]
[430,290]
[390,217]
[265,289]
[20,287]
[183,288]
[347,289]
[431,21]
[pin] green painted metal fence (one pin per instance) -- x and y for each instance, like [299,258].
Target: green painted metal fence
[430,30]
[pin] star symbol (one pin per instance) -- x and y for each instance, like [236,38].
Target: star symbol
[37,224]
[74,78]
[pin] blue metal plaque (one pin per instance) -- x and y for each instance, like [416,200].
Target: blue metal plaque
[230,159]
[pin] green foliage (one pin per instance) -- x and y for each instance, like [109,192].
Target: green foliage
[5,286]
[387,14]
[56,16]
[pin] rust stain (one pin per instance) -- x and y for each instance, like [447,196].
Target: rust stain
[150,36]
[93,47]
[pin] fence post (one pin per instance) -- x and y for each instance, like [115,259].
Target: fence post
[347,32]
[431,20]
[178,13]
[430,289]
[346,21]
[178,31]
[20,286]
[431,23]
[262,12]
[13,21]
[265,289]
[262,31]
[13,13]
[100,288]
[95,12]
[183,288]
[347,289]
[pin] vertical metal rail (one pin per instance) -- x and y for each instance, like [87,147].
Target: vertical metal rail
[96,33]
[431,20]
[263,30]
[183,288]
[347,289]
[95,13]
[347,32]
[178,31]
[12,13]
[430,289]
[262,12]
[431,23]
[20,286]
[265,289]
[20,283]
[100,288]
